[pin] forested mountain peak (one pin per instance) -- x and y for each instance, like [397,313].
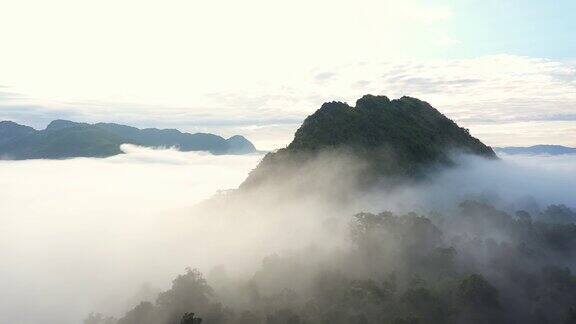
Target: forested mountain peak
[59,124]
[401,137]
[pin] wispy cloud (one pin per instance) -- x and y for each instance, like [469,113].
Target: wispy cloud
[323,76]
[492,90]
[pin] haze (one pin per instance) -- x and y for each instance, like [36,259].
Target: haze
[85,232]
[84,235]
[433,238]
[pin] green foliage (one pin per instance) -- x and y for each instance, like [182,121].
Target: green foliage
[65,139]
[189,292]
[400,138]
[475,292]
[559,214]
[399,269]
[425,305]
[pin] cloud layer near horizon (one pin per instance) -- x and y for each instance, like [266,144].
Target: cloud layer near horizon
[503,99]
[231,68]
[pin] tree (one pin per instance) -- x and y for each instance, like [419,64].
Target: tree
[479,300]
[97,318]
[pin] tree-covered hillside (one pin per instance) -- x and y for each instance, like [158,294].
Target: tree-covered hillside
[478,266]
[65,139]
[402,137]
[470,263]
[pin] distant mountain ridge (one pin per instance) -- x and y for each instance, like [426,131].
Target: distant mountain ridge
[65,139]
[537,150]
[400,138]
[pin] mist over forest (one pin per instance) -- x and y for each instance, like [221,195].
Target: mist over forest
[287,162]
[84,234]
[482,242]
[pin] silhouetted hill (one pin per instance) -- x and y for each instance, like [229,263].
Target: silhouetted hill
[64,139]
[10,131]
[240,144]
[402,137]
[537,150]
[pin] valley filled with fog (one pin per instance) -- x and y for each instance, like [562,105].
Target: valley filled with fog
[83,234]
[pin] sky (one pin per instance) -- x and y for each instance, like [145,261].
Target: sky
[504,69]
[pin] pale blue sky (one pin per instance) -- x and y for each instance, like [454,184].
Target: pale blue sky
[536,28]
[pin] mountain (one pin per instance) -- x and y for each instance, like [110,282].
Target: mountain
[65,139]
[10,131]
[241,145]
[400,138]
[537,150]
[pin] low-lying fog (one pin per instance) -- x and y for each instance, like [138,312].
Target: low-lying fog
[84,235]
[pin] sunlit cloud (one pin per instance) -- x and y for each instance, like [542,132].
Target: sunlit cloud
[488,95]
[270,66]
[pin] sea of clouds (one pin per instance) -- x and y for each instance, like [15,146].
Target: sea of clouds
[85,234]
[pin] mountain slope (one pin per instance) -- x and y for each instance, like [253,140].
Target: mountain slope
[398,138]
[64,139]
[78,141]
[240,145]
[537,150]
[154,137]
[10,131]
